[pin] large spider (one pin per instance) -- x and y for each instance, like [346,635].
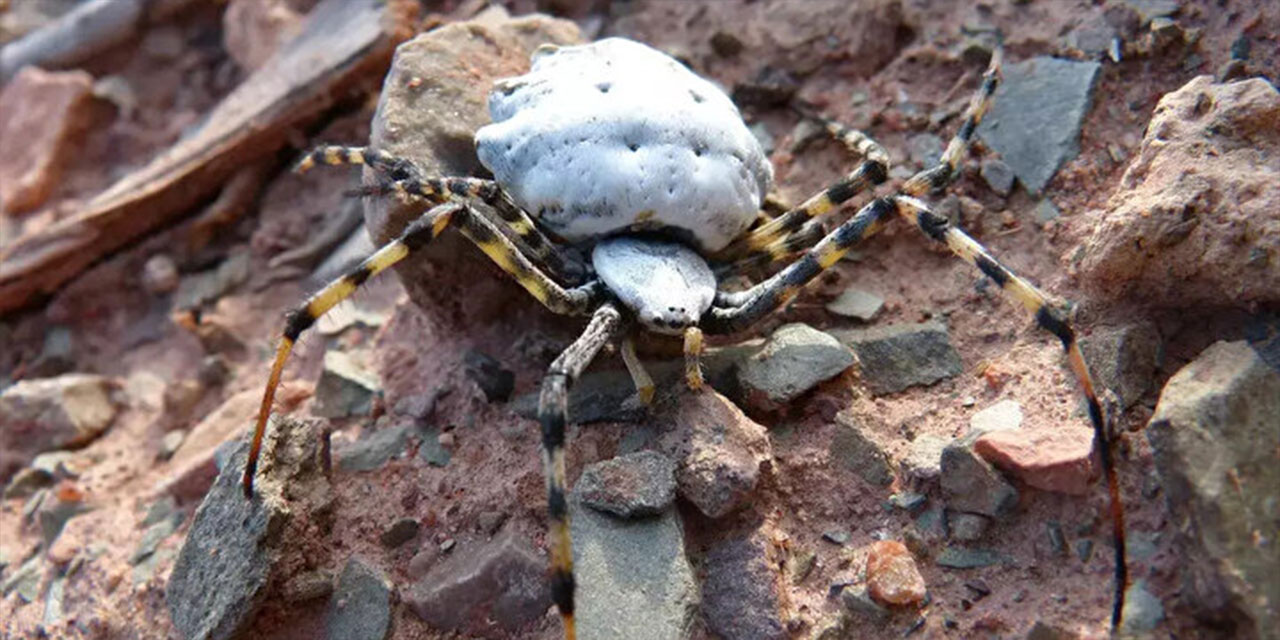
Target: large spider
[619,149]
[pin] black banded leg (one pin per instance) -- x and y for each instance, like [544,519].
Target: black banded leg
[1034,301]
[416,235]
[553,414]
[762,299]
[780,250]
[935,179]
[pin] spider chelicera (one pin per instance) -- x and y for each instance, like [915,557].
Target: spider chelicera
[617,148]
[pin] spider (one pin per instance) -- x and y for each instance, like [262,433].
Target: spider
[616,148]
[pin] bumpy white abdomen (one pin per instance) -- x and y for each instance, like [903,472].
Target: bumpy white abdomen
[614,136]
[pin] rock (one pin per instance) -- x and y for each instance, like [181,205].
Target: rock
[400,532]
[1084,549]
[380,446]
[967,527]
[1057,537]
[234,542]
[204,288]
[858,452]
[1045,212]
[1058,459]
[634,578]
[923,460]
[160,275]
[971,484]
[741,591]
[252,30]
[26,482]
[57,355]
[1143,611]
[931,525]
[433,100]
[632,485]
[597,396]
[1048,96]
[761,133]
[25,580]
[151,539]
[1042,630]
[894,357]
[725,44]
[908,501]
[1094,37]
[892,576]
[858,603]
[193,463]
[165,508]
[308,586]
[1180,231]
[345,388]
[170,443]
[717,449]
[924,149]
[60,505]
[498,584]
[49,112]
[496,382]
[998,176]
[794,360]
[1001,416]
[836,536]
[52,413]
[144,571]
[806,132]
[1208,439]
[960,558]
[1124,359]
[856,304]
[360,606]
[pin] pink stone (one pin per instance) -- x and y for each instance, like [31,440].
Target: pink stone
[42,117]
[892,576]
[1059,460]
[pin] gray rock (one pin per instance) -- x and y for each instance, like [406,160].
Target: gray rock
[1084,549]
[199,289]
[1208,439]
[971,484]
[925,149]
[400,532]
[1057,537]
[1046,211]
[857,304]
[170,443]
[494,380]
[151,539]
[1047,96]
[360,607]
[854,449]
[761,133]
[1094,36]
[894,357]
[144,571]
[718,451]
[961,558]
[1124,359]
[1042,630]
[56,356]
[165,508]
[1149,10]
[794,360]
[345,388]
[501,584]
[931,525]
[805,133]
[53,513]
[26,579]
[967,527]
[741,591]
[52,413]
[378,447]
[632,485]
[311,585]
[836,536]
[1143,611]
[908,501]
[431,451]
[923,460]
[634,579]
[53,600]
[233,542]
[859,604]
[26,482]
[998,176]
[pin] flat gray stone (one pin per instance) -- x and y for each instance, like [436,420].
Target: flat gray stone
[377,448]
[967,527]
[961,558]
[923,460]
[1034,122]
[853,449]
[1143,611]
[971,484]
[632,485]
[998,176]
[894,357]
[151,539]
[856,304]
[634,580]
[360,606]
[1006,414]
[795,359]
[345,388]
[1124,358]
[741,591]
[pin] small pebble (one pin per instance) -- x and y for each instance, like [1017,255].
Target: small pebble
[1084,549]
[447,545]
[400,532]
[836,536]
[892,576]
[160,275]
[1057,539]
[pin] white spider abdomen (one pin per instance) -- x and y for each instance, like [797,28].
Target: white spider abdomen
[614,136]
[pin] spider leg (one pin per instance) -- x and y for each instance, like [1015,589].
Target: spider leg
[778,251]
[552,414]
[644,383]
[418,234]
[404,176]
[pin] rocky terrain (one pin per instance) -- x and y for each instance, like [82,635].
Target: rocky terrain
[898,453]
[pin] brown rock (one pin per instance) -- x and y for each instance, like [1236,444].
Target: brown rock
[1183,230]
[1057,459]
[42,117]
[718,451]
[433,100]
[52,413]
[892,576]
[741,590]
[252,30]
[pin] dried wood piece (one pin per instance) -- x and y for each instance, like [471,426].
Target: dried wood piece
[344,42]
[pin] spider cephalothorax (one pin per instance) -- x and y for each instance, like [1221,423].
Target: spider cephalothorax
[621,152]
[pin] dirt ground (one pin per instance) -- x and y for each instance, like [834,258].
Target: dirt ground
[119,329]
